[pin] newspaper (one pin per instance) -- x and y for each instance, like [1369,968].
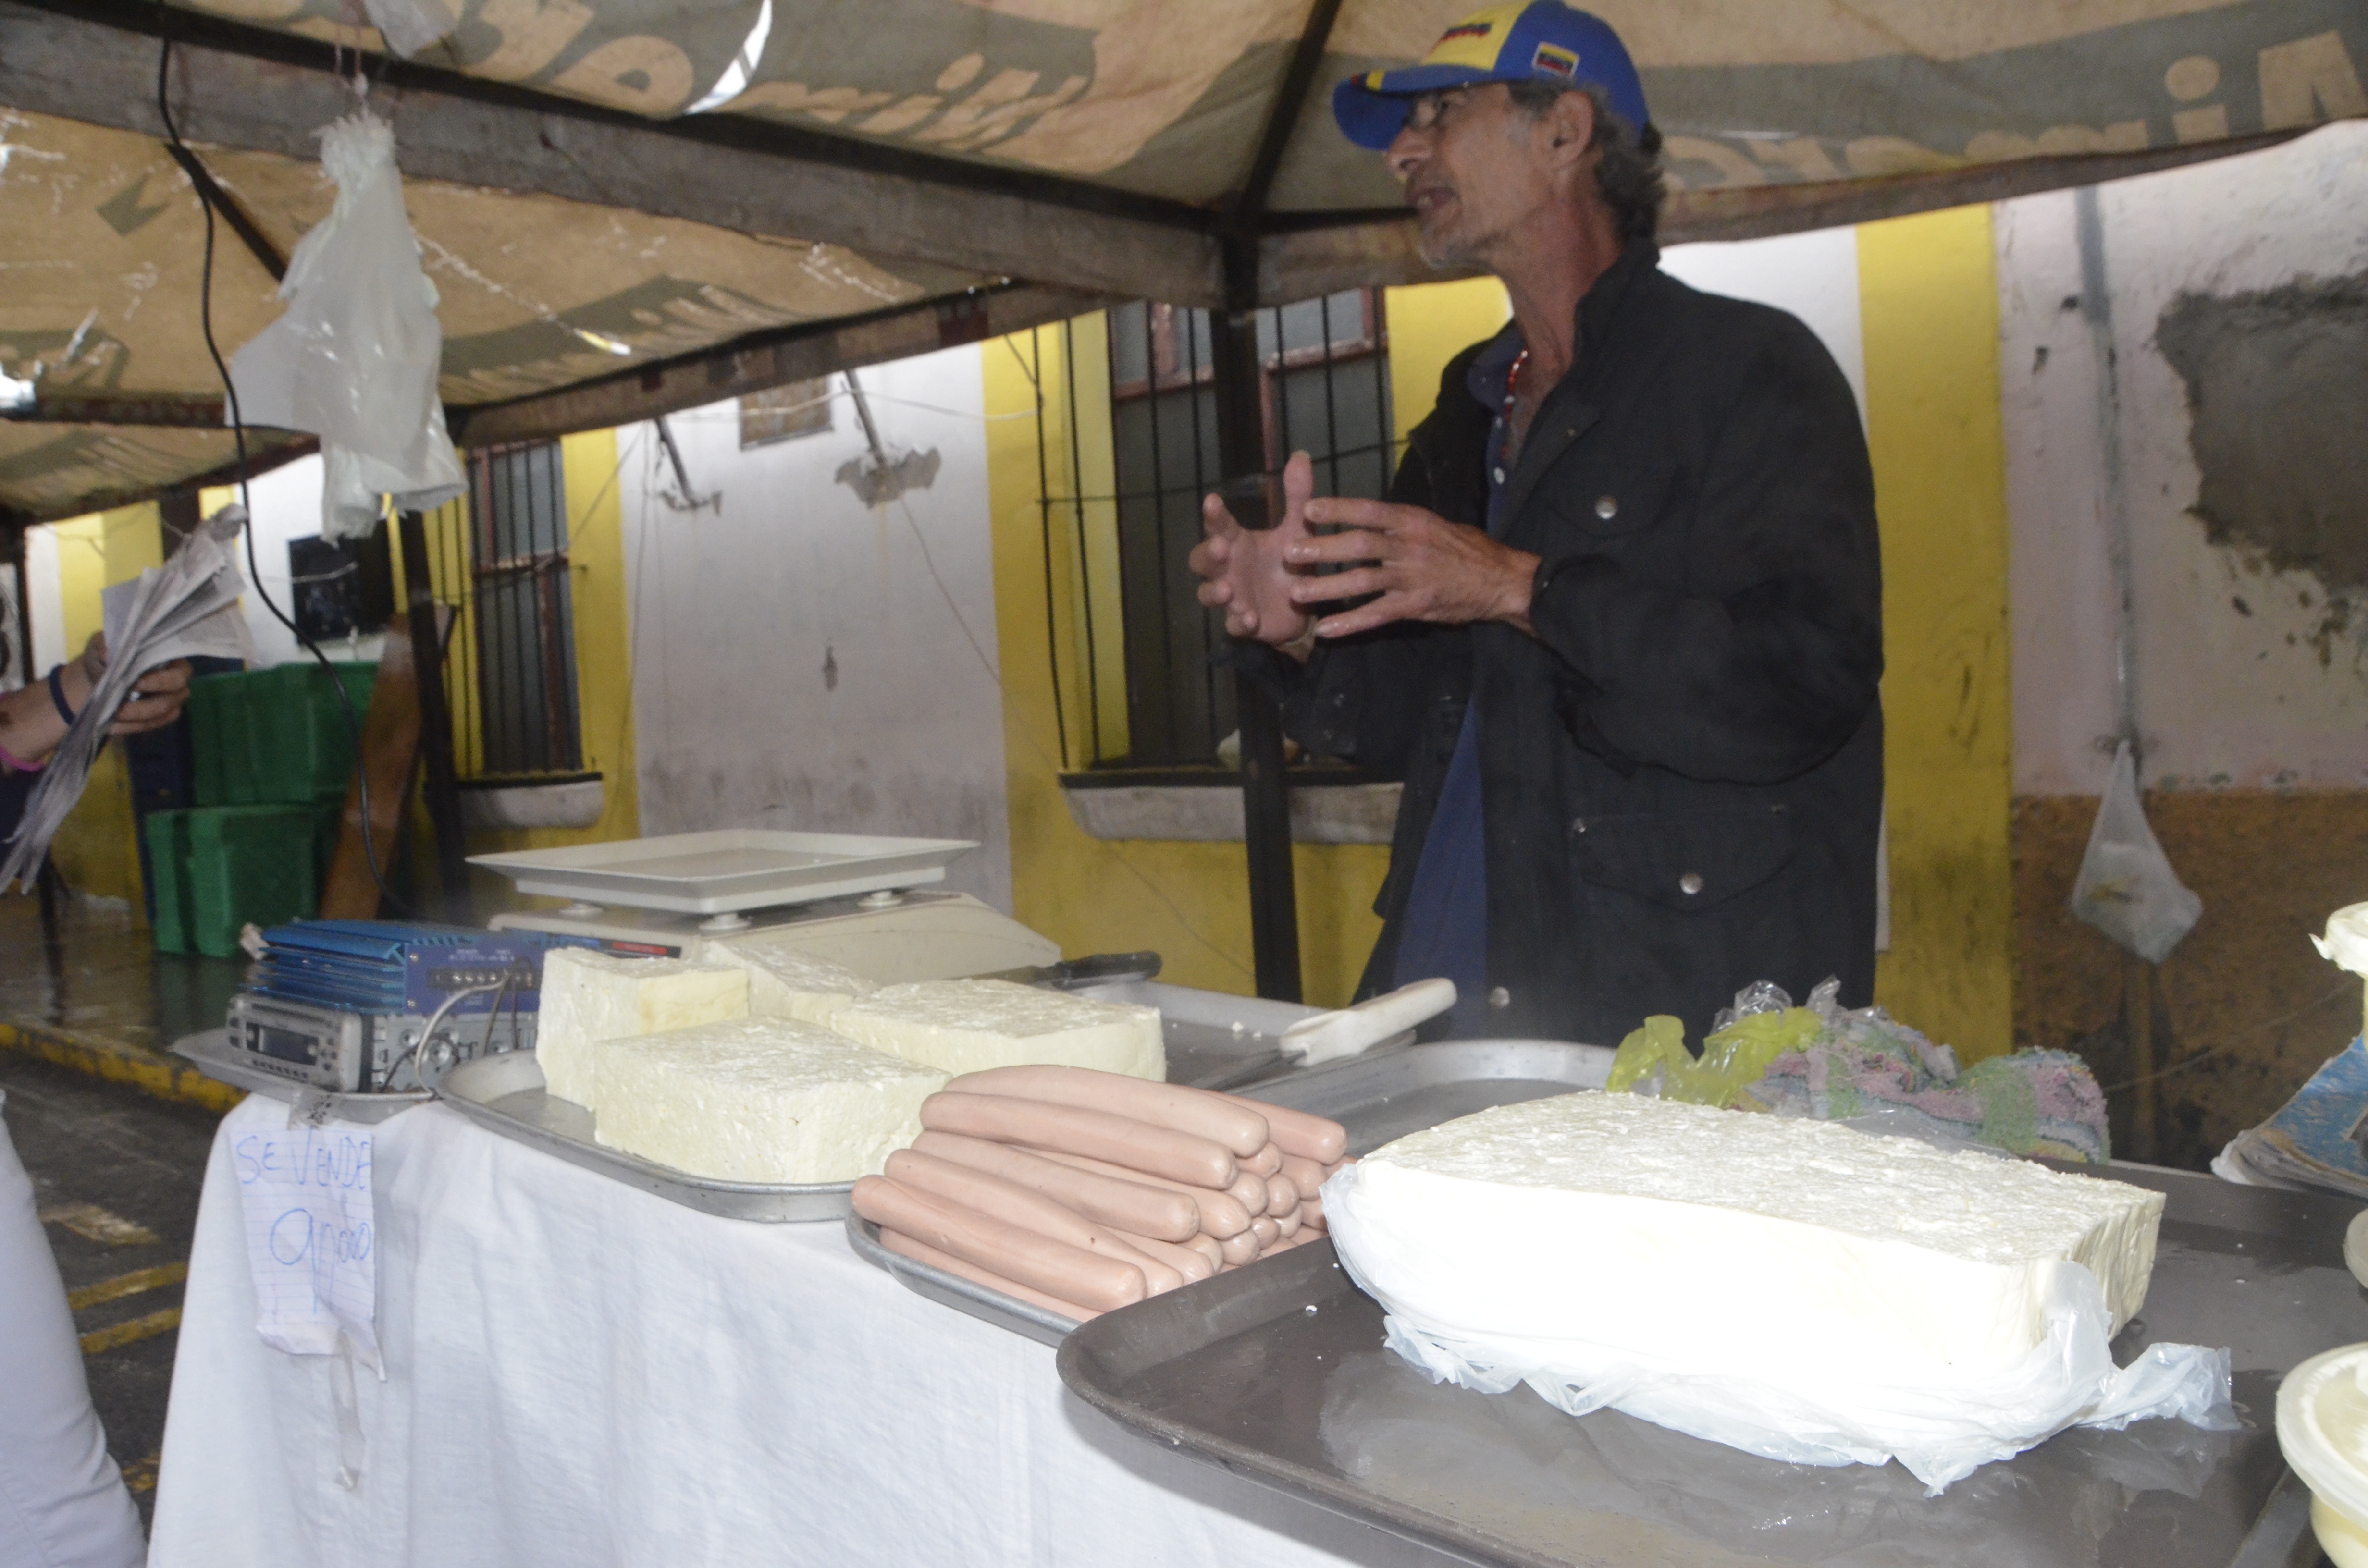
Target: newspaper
[2309,1143]
[186,607]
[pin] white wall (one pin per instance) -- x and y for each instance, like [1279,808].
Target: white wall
[1814,275]
[800,662]
[2266,695]
[45,601]
[286,505]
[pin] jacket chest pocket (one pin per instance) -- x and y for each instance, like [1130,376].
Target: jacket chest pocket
[1579,504]
[1684,861]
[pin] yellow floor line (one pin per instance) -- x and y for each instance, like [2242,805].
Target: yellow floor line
[152,1072]
[129,1284]
[139,1475]
[122,1334]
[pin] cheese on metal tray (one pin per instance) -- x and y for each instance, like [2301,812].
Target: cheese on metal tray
[1706,1240]
[966,1025]
[788,985]
[591,996]
[759,1099]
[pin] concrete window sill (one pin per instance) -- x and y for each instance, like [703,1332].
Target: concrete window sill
[1211,812]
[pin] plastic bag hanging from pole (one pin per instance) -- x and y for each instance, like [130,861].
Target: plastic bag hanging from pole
[355,359]
[2126,888]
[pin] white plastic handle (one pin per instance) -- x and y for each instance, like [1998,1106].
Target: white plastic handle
[1328,1036]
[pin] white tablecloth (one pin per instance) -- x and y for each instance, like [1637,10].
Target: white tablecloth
[581,1374]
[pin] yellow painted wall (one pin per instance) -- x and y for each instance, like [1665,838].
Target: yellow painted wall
[1188,902]
[1429,325]
[1927,295]
[94,851]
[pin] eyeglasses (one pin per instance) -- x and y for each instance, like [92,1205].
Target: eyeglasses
[1425,110]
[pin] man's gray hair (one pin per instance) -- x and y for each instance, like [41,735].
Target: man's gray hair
[1628,171]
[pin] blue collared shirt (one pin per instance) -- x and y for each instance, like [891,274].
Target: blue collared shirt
[1445,933]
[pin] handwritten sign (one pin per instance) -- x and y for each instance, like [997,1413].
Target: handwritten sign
[311,1237]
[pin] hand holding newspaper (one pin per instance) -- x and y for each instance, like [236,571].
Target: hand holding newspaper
[186,607]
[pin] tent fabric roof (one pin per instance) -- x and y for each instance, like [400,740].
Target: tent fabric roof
[736,192]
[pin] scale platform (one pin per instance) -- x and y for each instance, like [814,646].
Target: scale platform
[728,870]
[855,900]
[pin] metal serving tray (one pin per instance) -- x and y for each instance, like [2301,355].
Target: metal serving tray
[729,869]
[212,1052]
[1277,1372]
[953,1291]
[505,1093]
[1390,1090]
[1379,1097]
[1218,1040]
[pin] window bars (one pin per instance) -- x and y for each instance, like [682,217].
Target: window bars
[1120,496]
[499,556]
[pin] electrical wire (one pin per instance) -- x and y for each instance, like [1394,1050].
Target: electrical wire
[182,154]
[494,1013]
[435,1018]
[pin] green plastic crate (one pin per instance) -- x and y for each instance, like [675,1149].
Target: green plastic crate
[248,865]
[328,820]
[276,737]
[303,750]
[168,875]
[207,710]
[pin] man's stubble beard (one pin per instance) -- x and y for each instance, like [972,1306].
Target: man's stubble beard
[1444,251]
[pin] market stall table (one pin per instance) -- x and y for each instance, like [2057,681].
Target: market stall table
[579,1373]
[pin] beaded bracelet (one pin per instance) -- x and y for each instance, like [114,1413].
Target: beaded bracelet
[58,694]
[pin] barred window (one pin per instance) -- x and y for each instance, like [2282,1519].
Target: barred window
[1324,389]
[500,554]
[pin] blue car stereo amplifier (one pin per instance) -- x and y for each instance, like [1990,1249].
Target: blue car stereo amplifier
[358,1006]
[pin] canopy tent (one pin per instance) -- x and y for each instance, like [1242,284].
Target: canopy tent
[634,206]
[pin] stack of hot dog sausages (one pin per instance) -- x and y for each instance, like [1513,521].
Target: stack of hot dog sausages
[1081,1191]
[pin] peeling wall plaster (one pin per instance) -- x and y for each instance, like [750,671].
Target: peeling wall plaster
[2233,389]
[2277,405]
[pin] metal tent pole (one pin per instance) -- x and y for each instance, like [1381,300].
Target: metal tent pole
[1266,801]
[435,721]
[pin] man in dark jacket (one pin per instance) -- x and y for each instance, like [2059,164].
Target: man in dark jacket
[1620,622]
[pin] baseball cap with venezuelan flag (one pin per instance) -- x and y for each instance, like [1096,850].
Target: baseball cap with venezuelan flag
[1543,41]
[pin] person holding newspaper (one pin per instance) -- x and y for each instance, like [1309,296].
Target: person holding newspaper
[62,1504]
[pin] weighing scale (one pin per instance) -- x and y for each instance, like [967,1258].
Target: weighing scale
[859,901]
[862,903]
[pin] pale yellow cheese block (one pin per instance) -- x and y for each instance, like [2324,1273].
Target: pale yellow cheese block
[591,996]
[967,1026]
[1698,1238]
[763,1099]
[786,985]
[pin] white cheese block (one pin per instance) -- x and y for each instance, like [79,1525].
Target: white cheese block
[590,996]
[966,1025]
[1708,1241]
[788,985]
[759,1099]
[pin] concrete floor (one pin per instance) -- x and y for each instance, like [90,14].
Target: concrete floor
[116,1175]
[92,971]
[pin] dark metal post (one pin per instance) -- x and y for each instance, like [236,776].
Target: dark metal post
[1266,799]
[21,656]
[435,721]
